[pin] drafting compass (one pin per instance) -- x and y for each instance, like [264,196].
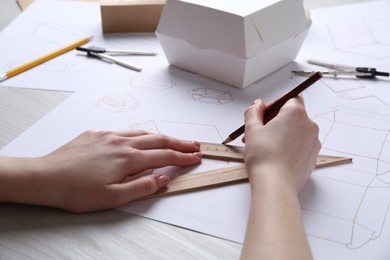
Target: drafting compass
[343,70]
[225,176]
[107,55]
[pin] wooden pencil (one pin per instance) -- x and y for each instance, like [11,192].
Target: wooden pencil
[272,109]
[42,59]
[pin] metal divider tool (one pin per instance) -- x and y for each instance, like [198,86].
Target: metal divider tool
[228,175]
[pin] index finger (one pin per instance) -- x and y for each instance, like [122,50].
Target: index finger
[255,113]
[157,158]
[160,141]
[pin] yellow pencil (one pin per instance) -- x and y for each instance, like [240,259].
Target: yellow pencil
[42,59]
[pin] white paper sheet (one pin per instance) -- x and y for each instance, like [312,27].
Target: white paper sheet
[345,208]
[49,25]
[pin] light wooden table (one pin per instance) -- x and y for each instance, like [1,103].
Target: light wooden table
[29,232]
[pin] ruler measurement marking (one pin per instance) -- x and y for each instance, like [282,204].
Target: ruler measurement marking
[228,175]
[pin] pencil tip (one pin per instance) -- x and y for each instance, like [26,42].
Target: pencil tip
[227,140]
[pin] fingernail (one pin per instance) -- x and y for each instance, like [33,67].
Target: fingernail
[197,144]
[199,155]
[255,101]
[163,181]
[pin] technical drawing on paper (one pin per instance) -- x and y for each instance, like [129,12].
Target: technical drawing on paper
[358,38]
[186,131]
[356,89]
[121,102]
[56,30]
[69,71]
[372,91]
[52,67]
[214,96]
[356,196]
[365,36]
[152,82]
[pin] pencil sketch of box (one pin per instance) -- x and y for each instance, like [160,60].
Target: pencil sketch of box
[213,96]
[354,201]
[121,102]
[235,42]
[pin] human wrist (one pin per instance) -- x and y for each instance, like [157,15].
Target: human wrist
[273,177]
[22,180]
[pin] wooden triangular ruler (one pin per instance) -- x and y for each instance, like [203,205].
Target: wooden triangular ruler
[225,176]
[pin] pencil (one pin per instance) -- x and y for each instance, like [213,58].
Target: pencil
[40,60]
[272,109]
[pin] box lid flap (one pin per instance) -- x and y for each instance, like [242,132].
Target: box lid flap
[241,28]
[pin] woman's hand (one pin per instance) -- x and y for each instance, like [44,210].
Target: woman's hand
[287,145]
[279,158]
[98,170]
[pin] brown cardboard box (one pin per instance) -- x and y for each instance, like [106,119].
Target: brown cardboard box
[130,15]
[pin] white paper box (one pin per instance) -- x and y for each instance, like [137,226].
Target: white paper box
[236,42]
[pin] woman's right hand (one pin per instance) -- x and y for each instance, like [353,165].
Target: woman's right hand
[286,146]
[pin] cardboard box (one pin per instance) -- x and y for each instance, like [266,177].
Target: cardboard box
[130,15]
[236,42]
